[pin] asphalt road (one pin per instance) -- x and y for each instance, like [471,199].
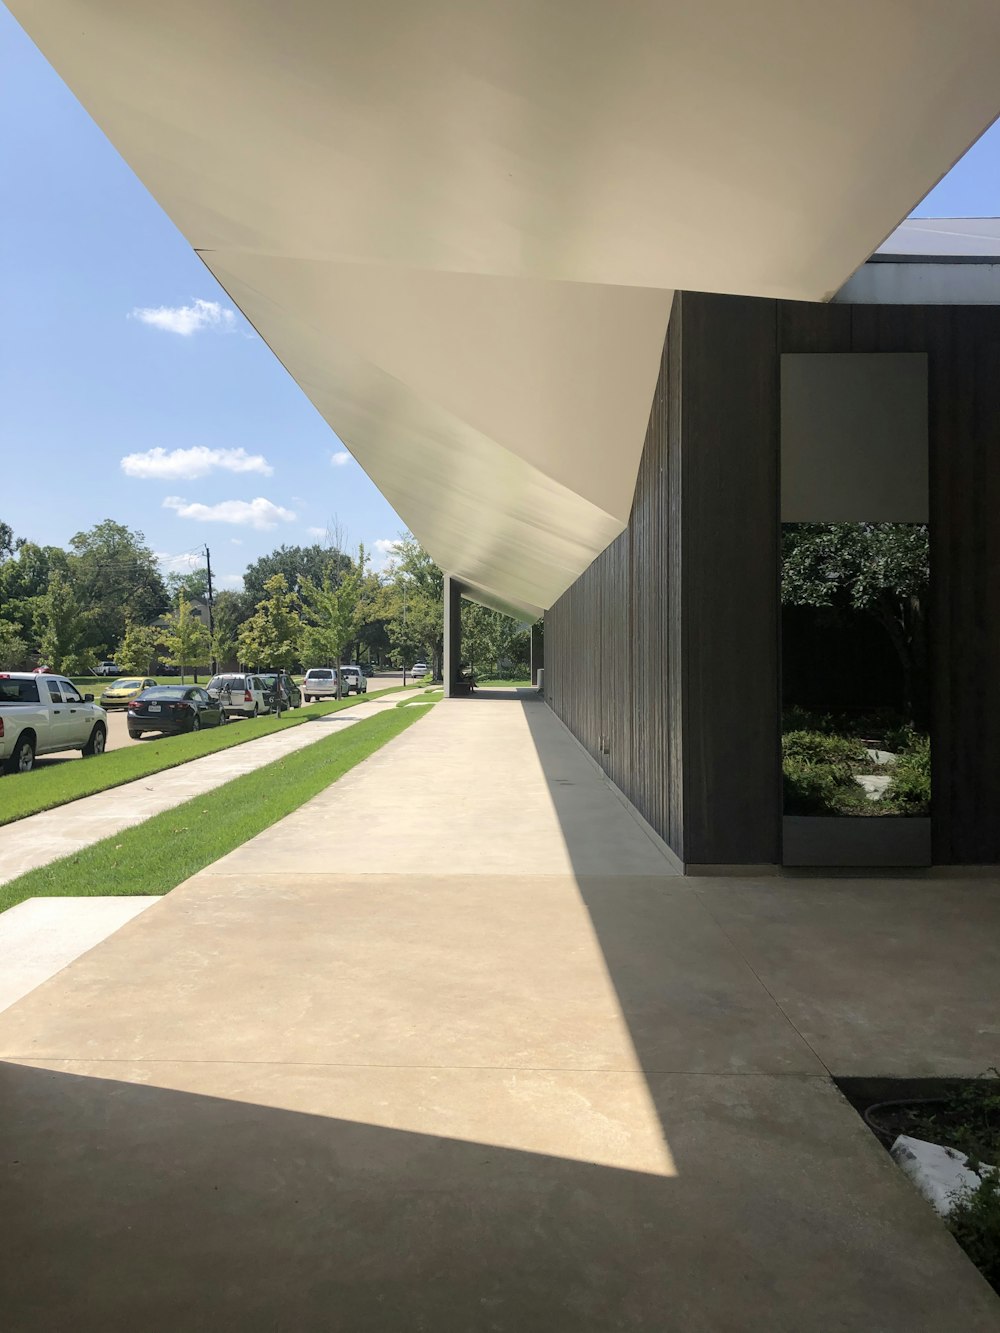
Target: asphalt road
[118,729]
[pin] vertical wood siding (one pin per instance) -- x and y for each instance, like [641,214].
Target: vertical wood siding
[613,644]
[666,651]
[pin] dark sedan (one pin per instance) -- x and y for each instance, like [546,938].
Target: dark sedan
[171,709]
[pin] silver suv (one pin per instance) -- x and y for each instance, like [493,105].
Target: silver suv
[319,683]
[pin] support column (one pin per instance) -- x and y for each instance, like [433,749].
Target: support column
[452,633]
[537,650]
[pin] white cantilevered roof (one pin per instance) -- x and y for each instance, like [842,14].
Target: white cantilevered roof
[459,223]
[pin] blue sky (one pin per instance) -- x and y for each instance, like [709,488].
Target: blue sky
[84,383]
[95,366]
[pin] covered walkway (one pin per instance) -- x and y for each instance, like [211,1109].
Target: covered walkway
[452,1048]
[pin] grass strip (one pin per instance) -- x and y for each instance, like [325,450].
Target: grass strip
[424,698]
[155,856]
[24,794]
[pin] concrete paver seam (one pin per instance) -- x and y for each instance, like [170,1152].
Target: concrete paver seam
[763,984]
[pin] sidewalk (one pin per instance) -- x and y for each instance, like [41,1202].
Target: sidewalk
[35,841]
[451,1049]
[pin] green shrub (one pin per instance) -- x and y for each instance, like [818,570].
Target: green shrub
[910,788]
[974,1221]
[818,748]
[819,772]
[810,789]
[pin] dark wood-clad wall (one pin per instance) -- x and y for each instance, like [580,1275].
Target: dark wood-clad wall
[664,657]
[963,360]
[612,659]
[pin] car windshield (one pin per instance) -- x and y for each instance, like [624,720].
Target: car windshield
[127,685]
[320,675]
[166,692]
[18,691]
[269,678]
[225,683]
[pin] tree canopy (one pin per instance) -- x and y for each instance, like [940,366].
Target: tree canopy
[272,636]
[880,569]
[294,563]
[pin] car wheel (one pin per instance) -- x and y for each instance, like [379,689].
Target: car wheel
[255,712]
[196,723]
[134,735]
[98,740]
[22,758]
[223,717]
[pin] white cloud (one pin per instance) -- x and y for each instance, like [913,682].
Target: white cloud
[340,459]
[198,461]
[385,550]
[234,581]
[236,541]
[187,319]
[259,513]
[318,533]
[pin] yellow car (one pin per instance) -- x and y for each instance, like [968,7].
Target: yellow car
[122,692]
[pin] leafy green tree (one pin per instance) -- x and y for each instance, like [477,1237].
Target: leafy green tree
[8,542]
[65,626]
[13,649]
[413,604]
[294,563]
[185,638]
[273,634]
[193,586]
[117,577]
[24,580]
[139,649]
[880,569]
[332,610]
[230,610]
[491,641]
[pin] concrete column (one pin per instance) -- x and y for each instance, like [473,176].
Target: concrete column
[452,633]
[537,651]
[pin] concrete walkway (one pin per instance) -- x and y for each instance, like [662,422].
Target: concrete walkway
[35,841]
[451,1049]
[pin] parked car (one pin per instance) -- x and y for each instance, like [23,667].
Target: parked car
[367,670]
[108,668]
[122,692]
[41,671]
[170,709]
[241,695]
[292,694]
[42,715]
[319,683]
[354,679]
[419,669]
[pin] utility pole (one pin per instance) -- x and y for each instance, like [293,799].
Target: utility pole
[211,614]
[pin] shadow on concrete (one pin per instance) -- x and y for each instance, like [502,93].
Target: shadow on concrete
[129,1207]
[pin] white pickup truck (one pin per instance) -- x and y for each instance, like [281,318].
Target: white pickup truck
[43,714]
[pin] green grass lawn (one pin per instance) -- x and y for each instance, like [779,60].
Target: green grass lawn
[26,794]
[157,855]
[495,683]
[424,697]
